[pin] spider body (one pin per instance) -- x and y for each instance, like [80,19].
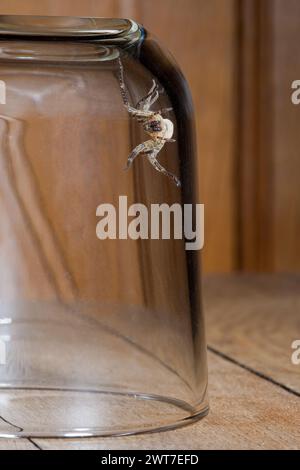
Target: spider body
[154,124]
[158,128]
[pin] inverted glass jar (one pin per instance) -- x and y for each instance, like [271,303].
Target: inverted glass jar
[97,336]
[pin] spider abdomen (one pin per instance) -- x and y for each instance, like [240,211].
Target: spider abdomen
[158,127]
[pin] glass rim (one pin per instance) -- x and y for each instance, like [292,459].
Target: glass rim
[113,30]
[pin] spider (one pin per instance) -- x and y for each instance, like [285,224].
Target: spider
[158,128]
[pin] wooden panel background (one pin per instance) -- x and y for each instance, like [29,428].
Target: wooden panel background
[240,57]
[269,138]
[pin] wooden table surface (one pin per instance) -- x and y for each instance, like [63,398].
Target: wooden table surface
[254,388]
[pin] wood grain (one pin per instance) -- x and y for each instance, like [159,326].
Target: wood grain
[268,130]
[254,388]
[254,320]
[239,419]
[250,74]
[17,444]
[286,136]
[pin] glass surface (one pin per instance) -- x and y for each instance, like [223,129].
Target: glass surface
[97,337]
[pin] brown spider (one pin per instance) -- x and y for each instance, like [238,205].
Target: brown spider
[158,128]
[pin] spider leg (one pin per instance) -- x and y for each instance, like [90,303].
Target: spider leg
[123,89]
[154,162]
[135,152]
[154,98]
[150,92]
[144,104]
[147,101]
[138,112]
[165,110]
[143,113]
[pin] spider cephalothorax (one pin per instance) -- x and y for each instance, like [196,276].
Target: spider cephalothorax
[158,128]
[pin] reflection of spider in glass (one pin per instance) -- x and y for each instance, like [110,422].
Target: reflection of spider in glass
[158,128]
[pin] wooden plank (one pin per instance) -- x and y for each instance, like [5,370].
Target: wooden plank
[17,444]
[286,136]
[107,8]
[244,317]
[248,132]
[255,319]
[255,131]
[247,412]
[269,135]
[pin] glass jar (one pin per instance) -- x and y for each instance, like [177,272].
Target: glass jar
[101,328]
